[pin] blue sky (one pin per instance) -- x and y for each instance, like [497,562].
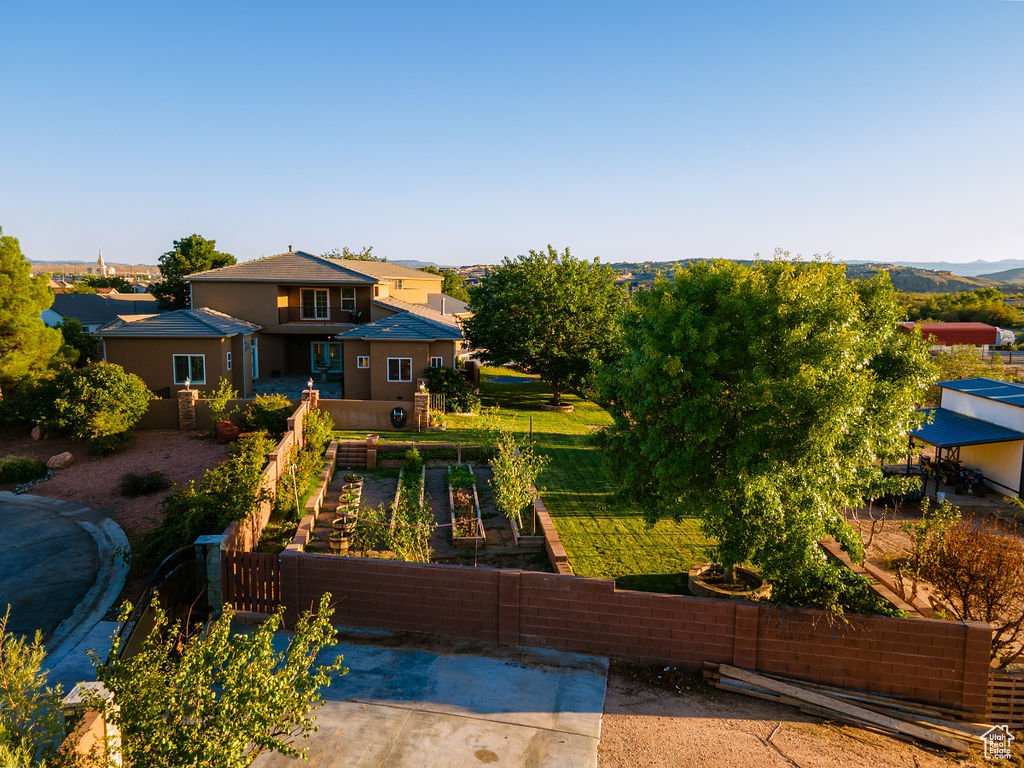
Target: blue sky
[462,132]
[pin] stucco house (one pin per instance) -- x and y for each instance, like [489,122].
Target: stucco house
[306,306]
[95,310]
[201,346]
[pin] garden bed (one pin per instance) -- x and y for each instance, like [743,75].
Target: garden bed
[464,507]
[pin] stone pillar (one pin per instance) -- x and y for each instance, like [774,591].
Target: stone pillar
[312,395]
[421,409]
[208,549]
[187,401]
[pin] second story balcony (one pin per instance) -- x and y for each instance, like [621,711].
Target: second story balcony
[319,315]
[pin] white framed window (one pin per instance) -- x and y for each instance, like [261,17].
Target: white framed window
[191,367]
[348,298]
[362,361]
[399,284]
[437,362]
[399,369]
[227,361]
[314,303]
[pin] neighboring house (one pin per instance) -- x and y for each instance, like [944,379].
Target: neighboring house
[980,422]
[306,304]
[942,336]
[385,359]
[94,310]
[201,345]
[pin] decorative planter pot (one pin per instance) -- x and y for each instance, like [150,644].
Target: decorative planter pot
[372,439]
[226,431]
[338,543]
[702,583]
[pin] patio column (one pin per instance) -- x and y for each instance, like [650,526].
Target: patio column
[187,400]
[312,395]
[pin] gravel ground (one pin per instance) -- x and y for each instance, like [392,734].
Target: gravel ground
[93,480]
[680,721]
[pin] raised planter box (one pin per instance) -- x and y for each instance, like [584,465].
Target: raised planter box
[470,516]
[525,540]
[398,492]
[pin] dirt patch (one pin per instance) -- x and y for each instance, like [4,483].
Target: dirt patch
[667,717]
[93,481]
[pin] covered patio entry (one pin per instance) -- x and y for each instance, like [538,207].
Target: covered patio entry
[975,444]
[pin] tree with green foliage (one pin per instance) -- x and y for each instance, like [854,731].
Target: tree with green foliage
[984,305]
[80,347]
[31,725]
[100,402]
[190,255]
[119,284]
[26,344]
[965,362]
[549,313]
[763,398]
[514,472]
[363,254]
[220,698]
[453,283]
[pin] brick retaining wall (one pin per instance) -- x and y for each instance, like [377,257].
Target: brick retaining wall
[943,663]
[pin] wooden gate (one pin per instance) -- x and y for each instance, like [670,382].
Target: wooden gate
[251,581]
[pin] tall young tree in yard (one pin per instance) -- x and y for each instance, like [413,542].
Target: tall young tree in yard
[190,255]
[761,398]
[552,314]
[26,344]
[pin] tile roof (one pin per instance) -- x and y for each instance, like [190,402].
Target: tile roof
[96,309]
[990,389]
[416,309]
[178,324]
[404,326]
[302,267]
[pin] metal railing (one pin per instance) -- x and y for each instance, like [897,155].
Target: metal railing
[323,316]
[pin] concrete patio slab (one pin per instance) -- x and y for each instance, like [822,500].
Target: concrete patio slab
[446,704]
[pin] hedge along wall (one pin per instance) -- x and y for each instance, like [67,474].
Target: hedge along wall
[244,535]
[944,663]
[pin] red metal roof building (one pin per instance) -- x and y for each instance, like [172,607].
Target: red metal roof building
[949,334]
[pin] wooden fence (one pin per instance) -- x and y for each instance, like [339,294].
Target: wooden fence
[251,580]
[1006,699]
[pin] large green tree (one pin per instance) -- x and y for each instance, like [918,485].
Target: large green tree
[26,344]
[363,254]
[550,313]
[190,255]
[762,398]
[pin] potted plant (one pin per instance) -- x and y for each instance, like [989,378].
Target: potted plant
[337,542]
[224,429]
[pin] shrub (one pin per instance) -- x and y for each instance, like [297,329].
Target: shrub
[100,402]
[218,401]
[25,400]
[142,484]
[20,469]
[452,383]
[412,462]
[515,472]
[317,429]
[268,413]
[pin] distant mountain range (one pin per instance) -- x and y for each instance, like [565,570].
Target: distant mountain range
[976,268]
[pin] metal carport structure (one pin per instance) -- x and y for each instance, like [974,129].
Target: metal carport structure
[950,431]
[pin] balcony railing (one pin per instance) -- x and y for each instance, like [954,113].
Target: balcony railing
[323,317]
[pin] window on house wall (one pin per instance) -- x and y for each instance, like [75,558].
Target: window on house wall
[437,362]
[398,285]
[348,298]
[399,369]
[227,361]
[362,361]
[376,290]
[314,303]
[191,367]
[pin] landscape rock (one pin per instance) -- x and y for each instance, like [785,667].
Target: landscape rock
[37,433]
[60,461]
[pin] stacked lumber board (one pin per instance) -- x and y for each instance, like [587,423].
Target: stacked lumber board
[935,726]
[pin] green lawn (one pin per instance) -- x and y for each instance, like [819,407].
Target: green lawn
[602,536]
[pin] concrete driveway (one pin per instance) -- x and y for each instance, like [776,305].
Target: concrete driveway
[62,566]
[450,704]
